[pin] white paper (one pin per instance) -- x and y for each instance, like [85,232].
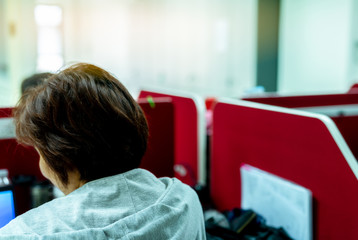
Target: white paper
[282,203]
[7,128]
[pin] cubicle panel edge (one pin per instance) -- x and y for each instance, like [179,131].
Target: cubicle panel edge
[199,109]
[301,101]
[301,147]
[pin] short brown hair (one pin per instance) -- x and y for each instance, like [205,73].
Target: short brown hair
[83,118]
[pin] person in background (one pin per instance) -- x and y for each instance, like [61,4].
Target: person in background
[91,136]
[34,80]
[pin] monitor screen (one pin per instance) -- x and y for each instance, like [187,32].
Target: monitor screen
[7,206]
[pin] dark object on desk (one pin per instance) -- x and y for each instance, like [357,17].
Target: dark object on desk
[243,225]
[22,191]
[41,192]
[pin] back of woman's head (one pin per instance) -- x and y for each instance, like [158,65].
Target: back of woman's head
[83,118]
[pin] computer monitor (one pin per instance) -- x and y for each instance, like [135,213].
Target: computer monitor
[7,205]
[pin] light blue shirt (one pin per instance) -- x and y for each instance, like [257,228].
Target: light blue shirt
[132,205]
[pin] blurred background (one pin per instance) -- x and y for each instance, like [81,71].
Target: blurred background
[210,47]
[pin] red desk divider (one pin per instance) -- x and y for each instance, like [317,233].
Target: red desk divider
[5,112]
[302,147]
[159,157]
[18,159]
[354,88]
[189,134]
[341,108]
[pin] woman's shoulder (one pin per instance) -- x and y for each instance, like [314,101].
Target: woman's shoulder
[24,223]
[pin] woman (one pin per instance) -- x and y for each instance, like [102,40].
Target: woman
[91,135]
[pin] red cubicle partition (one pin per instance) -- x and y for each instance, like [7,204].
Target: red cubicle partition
[5,112]
[354,88]
[159,157]
[18,159]
[302,147]
[189,131]
[341,108]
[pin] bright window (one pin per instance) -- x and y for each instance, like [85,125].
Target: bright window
[49,37]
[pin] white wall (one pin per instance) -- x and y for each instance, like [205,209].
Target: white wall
[20,47]
[204,46]
[97,32]
[316,46]
[208,47]
[353,73]
[4,83]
